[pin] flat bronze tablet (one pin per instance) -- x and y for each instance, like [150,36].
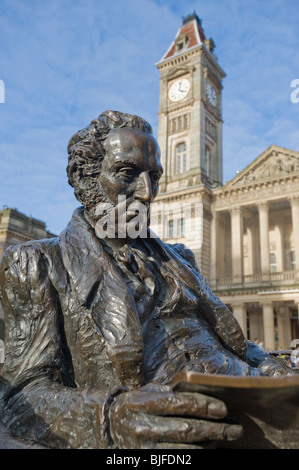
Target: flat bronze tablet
[267,407]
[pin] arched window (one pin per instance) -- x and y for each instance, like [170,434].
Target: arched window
[181,158]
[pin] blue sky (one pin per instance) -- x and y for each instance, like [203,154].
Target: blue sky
[63,62]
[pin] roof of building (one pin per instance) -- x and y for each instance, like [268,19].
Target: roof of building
[12,218]
[191,31]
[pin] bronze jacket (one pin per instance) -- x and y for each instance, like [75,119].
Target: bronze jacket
[73,339]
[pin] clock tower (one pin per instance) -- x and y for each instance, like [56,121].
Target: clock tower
[190,132]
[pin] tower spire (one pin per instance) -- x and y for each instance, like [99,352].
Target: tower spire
[189,35]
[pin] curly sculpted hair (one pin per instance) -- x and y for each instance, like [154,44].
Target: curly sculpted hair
[86,150]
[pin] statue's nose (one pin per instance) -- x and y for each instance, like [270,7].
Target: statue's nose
[144,188]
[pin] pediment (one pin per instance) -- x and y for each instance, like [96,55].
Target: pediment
[275,162]
[177,72]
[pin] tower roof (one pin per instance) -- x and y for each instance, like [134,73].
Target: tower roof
[189,35]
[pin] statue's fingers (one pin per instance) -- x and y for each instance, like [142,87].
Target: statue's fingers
[188,431]
[188,404]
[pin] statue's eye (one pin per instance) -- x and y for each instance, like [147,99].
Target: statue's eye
[127,172]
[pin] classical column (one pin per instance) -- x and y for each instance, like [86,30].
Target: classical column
[295,220]
[268,322]
[214,249]
[254,238]
[250,253]
[237,244]
[264,239]
[280,251]
[239,312]
[284,327]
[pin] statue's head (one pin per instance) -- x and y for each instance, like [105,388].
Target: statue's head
[116,154]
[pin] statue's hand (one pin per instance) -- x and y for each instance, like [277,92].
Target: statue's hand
[275,366]
[155,417]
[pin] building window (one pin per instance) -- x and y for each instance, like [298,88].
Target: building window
[181,42]
[180,227]
[170,229]
[186,121]
[176,228]
[207,160]
[273,263]
[211,129]
[179,123]
[181,158]
[293,261]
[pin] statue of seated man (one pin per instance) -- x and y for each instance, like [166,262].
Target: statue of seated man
[96,327]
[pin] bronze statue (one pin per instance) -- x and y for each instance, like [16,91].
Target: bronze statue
[96,328]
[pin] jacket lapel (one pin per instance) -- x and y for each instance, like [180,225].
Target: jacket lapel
[101,289]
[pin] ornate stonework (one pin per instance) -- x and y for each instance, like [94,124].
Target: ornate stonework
[275,162]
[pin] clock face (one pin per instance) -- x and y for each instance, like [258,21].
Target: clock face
[179,89]
[211,94]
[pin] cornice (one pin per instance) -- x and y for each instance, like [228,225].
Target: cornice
[177,194]
[178,71]
[272,189]
[212,61]
[12,233]
[182,57]
[179,58]
[234,291]
[260,291]
[175,108]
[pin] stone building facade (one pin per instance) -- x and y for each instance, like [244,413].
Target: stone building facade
[16,228]
[255,246]
[247,240]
